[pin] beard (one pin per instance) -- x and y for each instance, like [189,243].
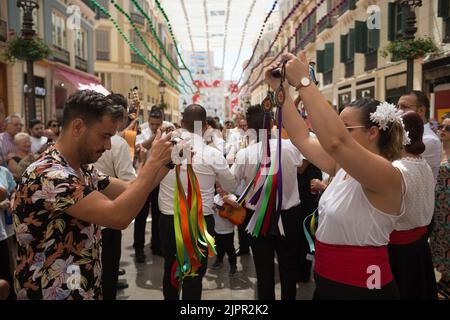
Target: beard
[87,154]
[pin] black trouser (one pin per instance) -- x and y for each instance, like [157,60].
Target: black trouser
[192,286]
[330,290]
[111,251]
[287,250]
[225,244]
[244,237]
[140,223]
[5,272]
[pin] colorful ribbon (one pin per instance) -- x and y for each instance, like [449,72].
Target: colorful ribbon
[313,223]
[193,242]
[267,186]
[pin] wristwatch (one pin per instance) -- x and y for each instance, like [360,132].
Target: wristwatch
[304,82]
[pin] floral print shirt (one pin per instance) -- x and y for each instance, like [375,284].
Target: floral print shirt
[59,256]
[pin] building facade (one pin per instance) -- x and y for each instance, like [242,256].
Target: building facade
[120,68]
[68,29]
[346,38]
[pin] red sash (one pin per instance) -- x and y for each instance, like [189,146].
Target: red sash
[407,236]
[352,265]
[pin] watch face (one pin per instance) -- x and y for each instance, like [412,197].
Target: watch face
[305,81]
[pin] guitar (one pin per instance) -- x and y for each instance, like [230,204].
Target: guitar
[236,215]
[130,134]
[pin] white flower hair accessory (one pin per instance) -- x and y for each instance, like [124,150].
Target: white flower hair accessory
[385,114]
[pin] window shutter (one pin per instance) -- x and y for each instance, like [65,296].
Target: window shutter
[352,4]
[374,38]
[443,8]
[320,60]
[361,37]
[329,57]
[351,45]
[391,21]
[102,40]
[343,48]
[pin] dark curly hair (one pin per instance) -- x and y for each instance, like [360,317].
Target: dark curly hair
[90,106]
[414,126]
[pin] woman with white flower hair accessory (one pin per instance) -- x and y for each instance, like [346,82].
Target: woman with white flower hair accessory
[409,251]
[360,208]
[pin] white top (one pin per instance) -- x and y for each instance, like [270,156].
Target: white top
[221,225]
[208,164]
[433,149]
[419,193]
[146,132]
[247,160]
[213,138]
[346,217]
[117,161]
[37,143]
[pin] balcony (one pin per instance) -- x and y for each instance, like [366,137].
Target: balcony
[3,31]
[80,63]
[103,55]
[61,55]
[136,59]
[137,18]
[324,24]
[349,68]
[371,60]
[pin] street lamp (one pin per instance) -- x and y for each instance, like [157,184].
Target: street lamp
[27,34]
[409,34]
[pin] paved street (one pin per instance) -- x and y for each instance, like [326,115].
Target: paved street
[145,279]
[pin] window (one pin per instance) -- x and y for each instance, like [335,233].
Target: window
[325,61]
[102,44]
[348,52]
[348,5]
[396,21]
[80,43]
[139,46]
[59,33]
[100,13]
[105,78]
[444,13]
[367,42]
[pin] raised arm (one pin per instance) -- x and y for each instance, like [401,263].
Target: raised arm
[298,131]
[121,202]
[335,139]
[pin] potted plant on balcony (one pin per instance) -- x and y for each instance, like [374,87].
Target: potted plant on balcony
[409,49]
[25,49]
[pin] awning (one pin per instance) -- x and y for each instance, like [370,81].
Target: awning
[81,81]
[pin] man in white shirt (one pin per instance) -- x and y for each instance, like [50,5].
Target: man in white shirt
[209,166]
[36,128]
[264,247]
[155,122]
[418,102]
[116,163]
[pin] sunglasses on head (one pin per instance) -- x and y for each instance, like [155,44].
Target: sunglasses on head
[444,127]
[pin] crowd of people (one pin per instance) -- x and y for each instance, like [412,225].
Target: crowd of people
[376,174]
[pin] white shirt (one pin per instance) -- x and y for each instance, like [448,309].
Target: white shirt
[208,164]
[346,217]
[239,142]
[213,138]
[419,193]
[221,225]
[433,149]
[146,132]
[117,161]
[37,143]
[247,160]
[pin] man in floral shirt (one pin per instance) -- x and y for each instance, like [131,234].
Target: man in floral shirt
[61,202]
